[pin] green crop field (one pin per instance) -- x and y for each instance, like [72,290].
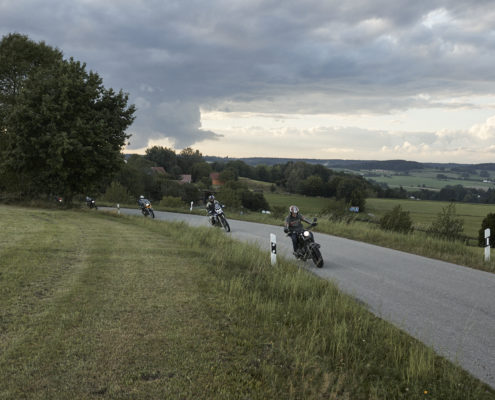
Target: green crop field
[429,179]
[424,181]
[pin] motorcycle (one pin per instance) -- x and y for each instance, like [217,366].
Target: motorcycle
[147,210]
[307,247]
[217,218]
[91,203]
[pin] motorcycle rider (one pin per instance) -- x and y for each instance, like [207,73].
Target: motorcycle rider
[293,226]
[210,208]
[142,202]
[89,200]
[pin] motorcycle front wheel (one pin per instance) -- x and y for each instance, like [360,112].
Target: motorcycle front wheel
[317,258]
[225,224]
[152,213]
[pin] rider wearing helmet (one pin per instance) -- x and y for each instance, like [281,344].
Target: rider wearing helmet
[293,225]
[142,202]
[210,207]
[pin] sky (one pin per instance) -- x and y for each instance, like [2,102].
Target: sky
[354,79]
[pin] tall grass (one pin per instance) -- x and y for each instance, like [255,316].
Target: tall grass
[317,341]
[103,306]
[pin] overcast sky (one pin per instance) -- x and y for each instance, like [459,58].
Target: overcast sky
[354,79]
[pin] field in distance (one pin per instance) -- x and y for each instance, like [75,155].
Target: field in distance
[430,178]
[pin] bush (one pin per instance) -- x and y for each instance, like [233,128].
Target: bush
[488,222]
[254,201]
[116,193]
[447,225]
[229,197]
[170,201]
[338,211]
[279,211]
[397,220]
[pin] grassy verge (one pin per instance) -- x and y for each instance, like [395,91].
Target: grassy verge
[418,242]
[100,306]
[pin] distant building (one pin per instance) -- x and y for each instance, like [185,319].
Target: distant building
[215,179]
[185,179]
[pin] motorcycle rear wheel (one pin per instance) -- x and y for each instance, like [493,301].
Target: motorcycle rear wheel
[317,258]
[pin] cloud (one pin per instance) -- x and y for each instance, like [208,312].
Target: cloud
[485,131]
[313,57]
[178,121]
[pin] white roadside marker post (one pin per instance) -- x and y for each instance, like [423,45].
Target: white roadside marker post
[273,246]
[118,208]
[190,209]
[487,244]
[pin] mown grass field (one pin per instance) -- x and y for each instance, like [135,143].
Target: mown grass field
[100,306]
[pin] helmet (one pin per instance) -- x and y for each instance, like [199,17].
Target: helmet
[293,209]
[211,197]
[141,197]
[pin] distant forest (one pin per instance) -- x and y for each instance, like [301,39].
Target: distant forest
[392,165]
[453,193]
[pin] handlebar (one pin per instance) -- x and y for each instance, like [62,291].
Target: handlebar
[313,224]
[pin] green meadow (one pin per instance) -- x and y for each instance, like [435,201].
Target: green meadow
[99,306]
[422,212]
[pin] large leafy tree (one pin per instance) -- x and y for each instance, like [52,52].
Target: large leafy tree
[187,158]
[63,131]
[163,157]
[19,57]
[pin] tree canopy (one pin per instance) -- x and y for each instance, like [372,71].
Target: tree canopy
[62,131]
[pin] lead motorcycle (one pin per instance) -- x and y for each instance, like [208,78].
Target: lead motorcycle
[147,210]
[217,218]
[308,248]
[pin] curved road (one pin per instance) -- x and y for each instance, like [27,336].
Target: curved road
[446,306]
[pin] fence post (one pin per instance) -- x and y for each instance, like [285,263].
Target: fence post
[273,246]
[487,244]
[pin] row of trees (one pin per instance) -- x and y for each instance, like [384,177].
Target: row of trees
[457,193]
[293,177]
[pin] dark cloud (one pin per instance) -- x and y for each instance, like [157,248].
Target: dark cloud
[314,56]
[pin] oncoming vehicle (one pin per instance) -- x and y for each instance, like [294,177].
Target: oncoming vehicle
[216,214]
[303,241]
[307,247]
[145,206]
[219,219]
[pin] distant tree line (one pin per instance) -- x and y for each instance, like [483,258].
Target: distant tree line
[137,177]
[457,193]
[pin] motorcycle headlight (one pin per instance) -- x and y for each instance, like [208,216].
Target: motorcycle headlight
[306,233]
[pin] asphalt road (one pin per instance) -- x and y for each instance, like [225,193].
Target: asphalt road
[448,307]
